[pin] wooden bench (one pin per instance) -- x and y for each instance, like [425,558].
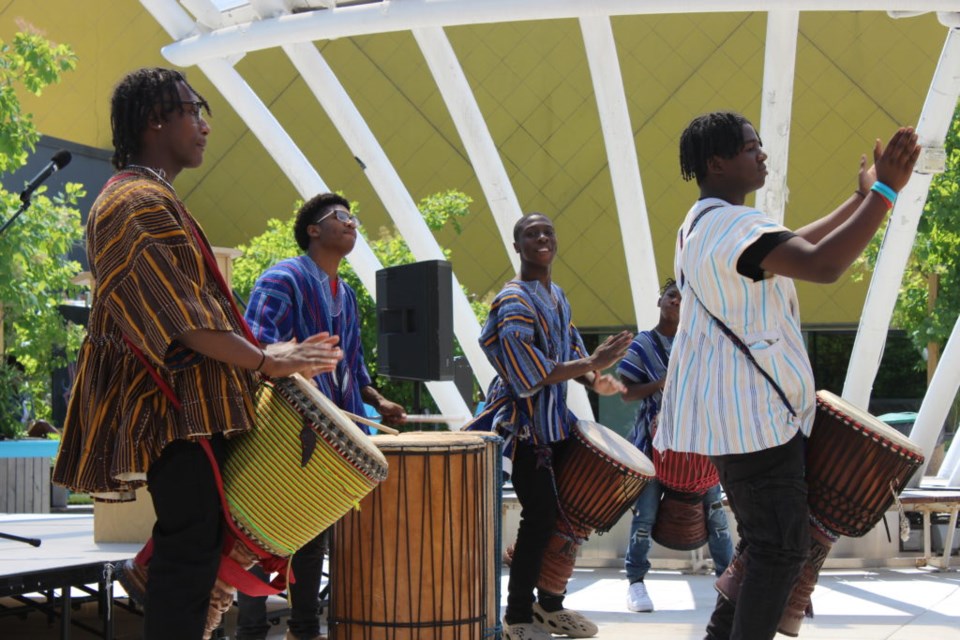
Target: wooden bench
[928,501]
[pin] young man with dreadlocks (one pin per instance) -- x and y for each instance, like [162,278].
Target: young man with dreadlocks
[739,314]
[165,364]
[530,339]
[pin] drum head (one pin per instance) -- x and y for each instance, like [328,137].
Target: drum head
[429,440]
[615,447]
[347,426]
[868,421]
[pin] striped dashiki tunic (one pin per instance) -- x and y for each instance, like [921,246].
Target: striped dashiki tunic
[528,332]
[151,284]
[646,361]
[715,401]
[293,300]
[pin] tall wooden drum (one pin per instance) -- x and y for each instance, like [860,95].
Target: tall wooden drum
[416,560]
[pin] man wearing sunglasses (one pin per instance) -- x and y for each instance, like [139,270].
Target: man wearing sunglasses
[294,299]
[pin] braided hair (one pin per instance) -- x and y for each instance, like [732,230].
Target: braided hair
[140,96]
[669,282]
[311,211]
[714,134]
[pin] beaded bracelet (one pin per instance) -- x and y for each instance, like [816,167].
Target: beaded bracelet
[885,192]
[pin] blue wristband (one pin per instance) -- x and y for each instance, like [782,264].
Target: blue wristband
[885,191]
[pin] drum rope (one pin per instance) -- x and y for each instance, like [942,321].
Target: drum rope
[904,522]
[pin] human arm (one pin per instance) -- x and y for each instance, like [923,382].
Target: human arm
[827,259]
[587,370]
[392,412]
[640,390]
[315,355]
[818,229]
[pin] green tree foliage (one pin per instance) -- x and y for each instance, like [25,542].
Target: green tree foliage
[277,243]
[34,276]
[935,251]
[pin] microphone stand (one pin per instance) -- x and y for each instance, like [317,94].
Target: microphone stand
[33,542]
[23,207]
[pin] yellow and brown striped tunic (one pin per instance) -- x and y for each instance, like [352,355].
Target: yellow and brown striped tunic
[151,285]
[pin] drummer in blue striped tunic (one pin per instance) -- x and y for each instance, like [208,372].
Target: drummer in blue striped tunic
[292,300]
[530,339]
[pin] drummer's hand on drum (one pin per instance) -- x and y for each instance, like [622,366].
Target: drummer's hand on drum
[611,350]
[607,385]
[393,414]
[315,355]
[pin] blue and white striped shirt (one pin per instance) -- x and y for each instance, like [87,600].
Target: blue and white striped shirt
[292,300]
[715,401]
[646,361]
[528,332]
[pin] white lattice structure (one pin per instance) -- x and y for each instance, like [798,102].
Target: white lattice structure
[214,34]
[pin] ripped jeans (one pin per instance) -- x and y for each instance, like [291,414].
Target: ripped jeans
[645,514]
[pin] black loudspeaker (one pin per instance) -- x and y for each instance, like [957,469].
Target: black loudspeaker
[463,378]
[415,321]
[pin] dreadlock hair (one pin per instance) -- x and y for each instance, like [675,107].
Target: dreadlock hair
[142,95]
[310,212]
[522,222]
[714,134]
[669,282]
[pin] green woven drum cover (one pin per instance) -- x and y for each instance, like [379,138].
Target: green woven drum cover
[278,503]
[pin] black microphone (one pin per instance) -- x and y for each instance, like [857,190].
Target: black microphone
[59,160]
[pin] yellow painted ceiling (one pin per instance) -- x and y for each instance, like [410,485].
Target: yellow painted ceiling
[859,75]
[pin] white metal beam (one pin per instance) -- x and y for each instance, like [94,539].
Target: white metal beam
[383,17]
[292,162]
[624,167]
[776,109]
[933,412]
[386,182]
[473,130]
[902,230]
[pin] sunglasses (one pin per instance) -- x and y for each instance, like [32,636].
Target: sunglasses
[343,216]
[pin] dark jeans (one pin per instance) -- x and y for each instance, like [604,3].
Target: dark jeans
[187,540]
[304,621]
[538,516]
[768,495]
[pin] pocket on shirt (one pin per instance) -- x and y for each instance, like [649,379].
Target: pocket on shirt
[764,344]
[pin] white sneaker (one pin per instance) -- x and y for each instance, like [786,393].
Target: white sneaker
[524,631]
[638,599]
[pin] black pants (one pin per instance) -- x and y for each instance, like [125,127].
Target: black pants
[187,539]
[538,516]
[304,622]
[768,495]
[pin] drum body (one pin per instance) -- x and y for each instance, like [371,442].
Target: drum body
[600,477]
[681,522]
[856,466]
[300,470]
[416,560]
[685,472]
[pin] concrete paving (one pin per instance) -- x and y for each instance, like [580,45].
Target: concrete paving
[853,604]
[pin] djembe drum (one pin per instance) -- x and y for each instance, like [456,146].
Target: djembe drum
[295,474]
[598,479]
[681,522]
[416,560]
[856,467]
